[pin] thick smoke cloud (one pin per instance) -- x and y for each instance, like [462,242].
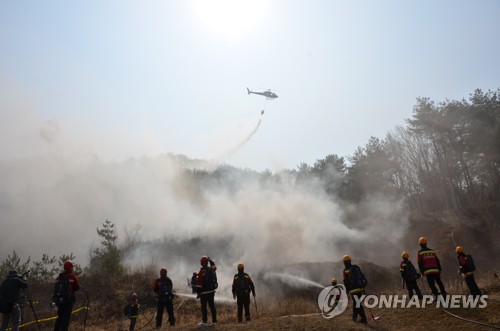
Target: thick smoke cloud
[57,188]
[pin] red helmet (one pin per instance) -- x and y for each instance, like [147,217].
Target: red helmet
[68,265]
[204,260]
[163,271]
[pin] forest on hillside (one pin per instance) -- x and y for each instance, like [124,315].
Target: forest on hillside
[446,157]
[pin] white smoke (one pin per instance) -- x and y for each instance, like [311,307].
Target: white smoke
[58,187]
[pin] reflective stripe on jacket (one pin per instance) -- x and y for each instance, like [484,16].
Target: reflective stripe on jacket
[348,283]
[428,262]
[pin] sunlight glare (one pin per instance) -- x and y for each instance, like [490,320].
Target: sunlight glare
[231,18]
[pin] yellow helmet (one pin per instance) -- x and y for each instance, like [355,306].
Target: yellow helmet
[405,255]
[459,249]
[346,258]
[241,266]
[422,241]
[334,280]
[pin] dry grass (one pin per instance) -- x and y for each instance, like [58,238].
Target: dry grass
[290,313]
[296,314]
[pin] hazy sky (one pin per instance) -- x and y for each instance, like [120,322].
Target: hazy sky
[133,78]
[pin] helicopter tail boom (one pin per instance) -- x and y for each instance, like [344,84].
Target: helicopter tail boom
[249,90]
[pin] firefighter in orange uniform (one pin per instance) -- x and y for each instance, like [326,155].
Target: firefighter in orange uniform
[466,269]
[410,276]
[430,267]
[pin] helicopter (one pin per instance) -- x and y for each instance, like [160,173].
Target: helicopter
[268,94]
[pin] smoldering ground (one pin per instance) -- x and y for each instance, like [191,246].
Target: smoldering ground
[57,189]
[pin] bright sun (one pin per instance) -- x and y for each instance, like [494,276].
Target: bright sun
[231,18]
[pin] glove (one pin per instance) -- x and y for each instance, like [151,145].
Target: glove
[234,296]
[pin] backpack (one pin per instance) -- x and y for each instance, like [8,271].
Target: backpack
[165,291]
[410,272]
[242,285]
[470,263]
[62,292]
[357,277]
[210,279]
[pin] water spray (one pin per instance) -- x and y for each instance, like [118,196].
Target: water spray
[293,281]
[182,301]
[240,144]
[194,297]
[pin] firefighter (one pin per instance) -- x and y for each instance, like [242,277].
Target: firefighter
[409,275]
[242,286]
[355,283]
[466,269]
[132,309]
[163,288]
[10,300]
[430,267]
[206,284]
[64,297]
[335,296]
[194,279]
